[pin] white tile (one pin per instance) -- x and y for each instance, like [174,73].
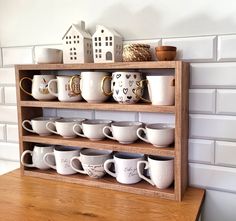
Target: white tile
[201,151]
[18,55]
[202,101]
[227,48]
[225,101]
[12,133]
[1,95]
[9,151]
[219,206]
[194,48]
[225,153]
[208,176]
[213,75]
[8,114]
[7,166]
[87,114]
[2,132]
[213,127]
[116,115]
[7,76]
[153,43]
[0,57]
[10,95]
[149,118]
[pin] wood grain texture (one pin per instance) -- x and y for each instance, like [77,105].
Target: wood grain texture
[29,199]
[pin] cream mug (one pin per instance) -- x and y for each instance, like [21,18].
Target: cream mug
[37,156]
[66,90]
[39,88]
[161,171]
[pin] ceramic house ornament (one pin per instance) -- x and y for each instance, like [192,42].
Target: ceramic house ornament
[77,45]
[107,45]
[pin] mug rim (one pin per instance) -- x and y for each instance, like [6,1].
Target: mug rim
[46,118]
[157,158]
[70,120]
[123,124]
[96,121]
[100,153]
[66,149]
[128,156]
[160,126]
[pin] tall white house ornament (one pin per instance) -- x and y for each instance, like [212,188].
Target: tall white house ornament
[107,45]
[77,45]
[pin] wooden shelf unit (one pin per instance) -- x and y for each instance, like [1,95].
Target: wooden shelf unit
[29,108]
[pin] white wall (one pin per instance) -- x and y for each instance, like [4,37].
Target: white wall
[212,143]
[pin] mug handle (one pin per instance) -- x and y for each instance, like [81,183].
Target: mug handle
[140,173]
[106,167]
[49,87]
[21,87]
[49,129]
[45,160]
[140,87]
[104,132]
[72,85]
[138,134]
[73,167]
[22,158]
[76,132]
[102,86]
[29,122]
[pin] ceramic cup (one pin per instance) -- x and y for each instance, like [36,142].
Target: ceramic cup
[37,156]
[124,131]
[62,156]
[64,88]
[124,87]
[90,86]
[161,170]
[161,89]
[39,88]
[64,127]
[159,135]
[38,125]
[125,167]
[47,55]
[92,162]
[91,129]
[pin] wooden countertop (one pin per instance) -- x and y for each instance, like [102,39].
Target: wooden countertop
[34,199]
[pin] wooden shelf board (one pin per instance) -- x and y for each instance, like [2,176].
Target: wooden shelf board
[137,147]
[101,66]
[141,107]
[106,182]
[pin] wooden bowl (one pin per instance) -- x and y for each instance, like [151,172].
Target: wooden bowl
[165,53]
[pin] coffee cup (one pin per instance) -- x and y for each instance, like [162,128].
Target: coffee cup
[161,171]
[62,156]
[39,88]
[124,131]
[92,162]
[91,129]
[38,125]
[44,55]
[37,155]
[125,167]
[159,135]
[64,127]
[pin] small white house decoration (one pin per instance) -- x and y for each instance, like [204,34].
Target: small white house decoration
[77,45]
[107,45]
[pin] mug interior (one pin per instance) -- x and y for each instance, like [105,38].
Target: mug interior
[95,122]
[160,126]
[93,152]
[66,149]
[66,120]
[160,158]
[46,118]
[127,123]
[128,156]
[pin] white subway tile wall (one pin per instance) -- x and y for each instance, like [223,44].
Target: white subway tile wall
[227,48]
[10,95]
[1,95]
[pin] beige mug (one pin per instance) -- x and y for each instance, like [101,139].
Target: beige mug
[39,87]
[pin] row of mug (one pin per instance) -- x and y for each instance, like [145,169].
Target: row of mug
[125,132]
[97,87]
[128,167]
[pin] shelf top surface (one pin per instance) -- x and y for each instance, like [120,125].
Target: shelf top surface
[102,66]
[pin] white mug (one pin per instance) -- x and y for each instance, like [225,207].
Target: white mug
[37,156]
[159,135]
[124,131]
[161,171]
[125,167]
[64,127]
[39,88]
[44,55]
[92,162]
[62,156]
[92,129]
[38,125]
[64,88]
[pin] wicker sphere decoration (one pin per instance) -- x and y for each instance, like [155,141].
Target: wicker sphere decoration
[136,52]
